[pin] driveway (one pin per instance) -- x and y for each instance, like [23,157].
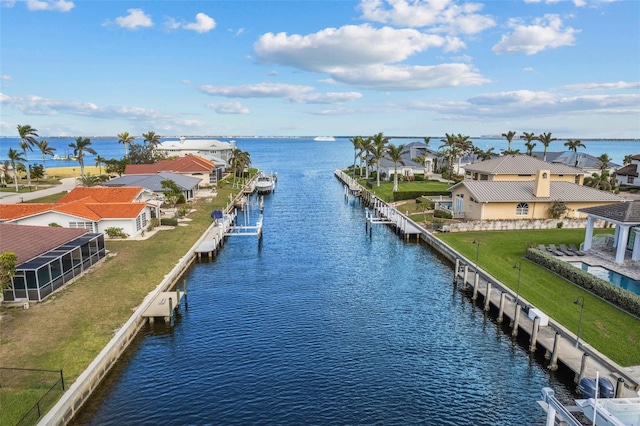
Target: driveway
[66,184]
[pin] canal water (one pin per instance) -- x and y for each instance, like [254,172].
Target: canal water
[320,324]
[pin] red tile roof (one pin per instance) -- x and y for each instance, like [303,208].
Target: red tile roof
[28,242]
[184,165]
[103,194]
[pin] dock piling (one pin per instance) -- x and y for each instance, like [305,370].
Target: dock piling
[464,276]
[534,334]
[619,387]
[476,279]
[456,272]
[487,297]
[503,295]
[553,364]
[516,320]
[583,367]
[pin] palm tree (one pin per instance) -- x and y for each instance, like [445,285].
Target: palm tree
[357,142]
[546,139]
[395,154]
[239,160]
[125,139]
[45,149]
[5,172]
[600,181]
[81,146]
[529,144]
[509,135]
[99,162]
[573,145]
[603,163]
[627,159]
[151,138]
[365,153]
[450,147]
[28,137]
[378,150]
[465,147]
[91,180]
[15,158]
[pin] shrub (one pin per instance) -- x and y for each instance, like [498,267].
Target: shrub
[442,214]
[559,225]
[170,221]
[623,299]
[54,225]
[153,223]
[183,211]
[114,232]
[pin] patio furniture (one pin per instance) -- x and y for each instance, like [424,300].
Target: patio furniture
[576,250]
[552,249]
[565,250]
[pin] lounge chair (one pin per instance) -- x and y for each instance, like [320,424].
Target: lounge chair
[552,249]
[576,250]
[542,247]
[565,250]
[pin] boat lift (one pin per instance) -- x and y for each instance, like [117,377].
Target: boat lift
[247,230]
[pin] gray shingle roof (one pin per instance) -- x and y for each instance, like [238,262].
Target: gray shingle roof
[628,212]
[519,164]
[498,191]
[153,183]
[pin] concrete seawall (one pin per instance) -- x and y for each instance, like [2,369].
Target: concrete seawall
[494,296]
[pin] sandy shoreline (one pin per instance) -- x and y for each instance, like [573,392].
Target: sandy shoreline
[72,171]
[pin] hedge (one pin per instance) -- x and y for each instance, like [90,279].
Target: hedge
[623,299]
[169,221]
[407,195]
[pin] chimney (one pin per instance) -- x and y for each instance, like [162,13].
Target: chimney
[541,186]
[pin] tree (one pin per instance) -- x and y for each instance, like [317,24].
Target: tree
[99,162]
[557,209]
[357,142]
[509,135]
[5,172]
[529,144]
[37,172]
[116,166]
[8,264]
[239,161]
[151,138]
[603,163]
[143,154]
[365,154]
[172,192]
[546,140]
[28,137]
[573,145]
[81,146]
[395,153]
[627,159]
[378,150]
[91,180]
[125,139]
[15,158]
[450,148]
[45,149]
[465,146]
[599,181]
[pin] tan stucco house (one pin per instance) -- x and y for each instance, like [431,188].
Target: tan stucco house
[523,187]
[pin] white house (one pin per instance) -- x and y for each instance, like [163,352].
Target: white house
[628,175]
[212,149]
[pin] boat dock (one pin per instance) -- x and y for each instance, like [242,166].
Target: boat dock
[164,305]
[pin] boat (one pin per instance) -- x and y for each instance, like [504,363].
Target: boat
[265,183]
[324,139]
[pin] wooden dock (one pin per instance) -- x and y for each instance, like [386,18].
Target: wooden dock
[164,305]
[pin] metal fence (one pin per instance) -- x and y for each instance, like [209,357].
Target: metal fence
[46,385]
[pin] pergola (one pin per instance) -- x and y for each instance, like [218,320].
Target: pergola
[626,217]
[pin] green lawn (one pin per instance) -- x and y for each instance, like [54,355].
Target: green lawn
[385,190]
[606,328]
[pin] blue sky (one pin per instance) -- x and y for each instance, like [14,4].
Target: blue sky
[402,67]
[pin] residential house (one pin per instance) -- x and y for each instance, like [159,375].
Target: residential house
[408,167]
[214,150]
[587,163]
[190,165]
[626,217]
[153,183]
[523,187]
[628,175]
[94,208]
[48,257]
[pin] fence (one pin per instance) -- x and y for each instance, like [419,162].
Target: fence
[45,385]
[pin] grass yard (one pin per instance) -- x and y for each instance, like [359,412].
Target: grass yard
[606,328]
[72,326]
[385,190]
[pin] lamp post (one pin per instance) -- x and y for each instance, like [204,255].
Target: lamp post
[518,266]
[477,243]
[579,301]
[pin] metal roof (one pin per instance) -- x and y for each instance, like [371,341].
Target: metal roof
[519,164]
[153,181]
[485,191]
[628,212]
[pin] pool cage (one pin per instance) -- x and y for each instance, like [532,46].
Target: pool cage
[39,277]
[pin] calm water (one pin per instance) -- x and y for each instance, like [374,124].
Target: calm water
[319,324]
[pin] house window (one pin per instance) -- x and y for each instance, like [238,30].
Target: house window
[522,209]
[629,179]
[81,225]
[138,223]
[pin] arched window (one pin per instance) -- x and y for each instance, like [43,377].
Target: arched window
[522,209]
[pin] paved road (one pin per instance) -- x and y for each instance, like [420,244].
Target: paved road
[66,184]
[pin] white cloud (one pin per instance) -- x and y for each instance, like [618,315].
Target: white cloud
[326,98]
[7,3]
[260,90]
[5,77]
[353,45]
[619,85]
[229,108]
[363,56]
[577,3]
[203,24]
[440,15]
[544,33]
[135,19]
[56,5]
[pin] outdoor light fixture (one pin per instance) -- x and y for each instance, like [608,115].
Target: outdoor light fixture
[580,302]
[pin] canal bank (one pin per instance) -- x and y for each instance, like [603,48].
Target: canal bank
[546,335]
[83,387]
